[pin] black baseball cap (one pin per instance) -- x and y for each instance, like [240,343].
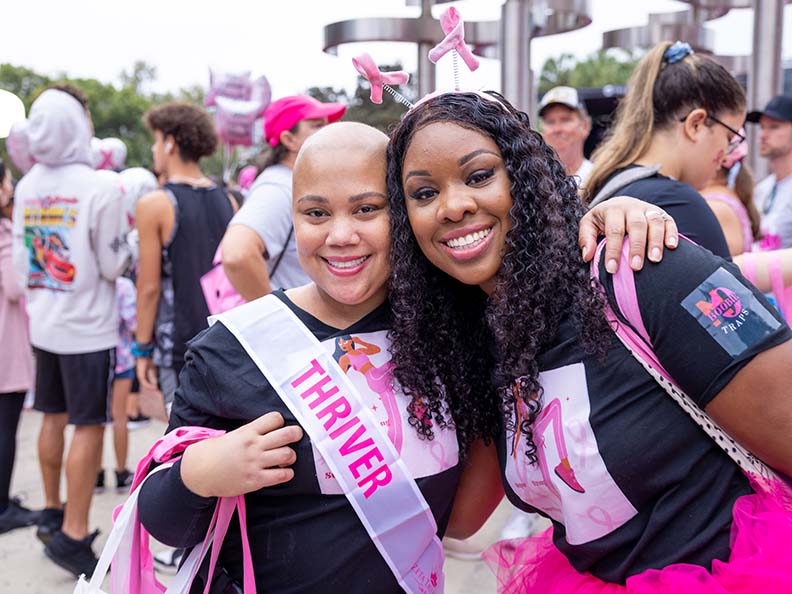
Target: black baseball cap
[779,108]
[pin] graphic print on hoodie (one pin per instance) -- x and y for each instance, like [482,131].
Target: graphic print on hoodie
[69,224]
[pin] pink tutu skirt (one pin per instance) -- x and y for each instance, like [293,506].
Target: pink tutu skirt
[760,561]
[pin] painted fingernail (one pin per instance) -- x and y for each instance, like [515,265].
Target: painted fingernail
[655,255]
[672,241]
[611,266]
[636,262]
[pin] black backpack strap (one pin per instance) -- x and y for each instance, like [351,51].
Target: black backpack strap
[283,251]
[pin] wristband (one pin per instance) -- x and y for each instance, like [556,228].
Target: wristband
[142,349]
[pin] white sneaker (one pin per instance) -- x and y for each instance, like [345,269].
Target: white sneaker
[520,524]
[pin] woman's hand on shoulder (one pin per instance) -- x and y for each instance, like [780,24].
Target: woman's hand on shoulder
[244,460]
[649,228]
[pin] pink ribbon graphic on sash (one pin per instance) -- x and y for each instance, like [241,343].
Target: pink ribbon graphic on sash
[368,69]
[454,28]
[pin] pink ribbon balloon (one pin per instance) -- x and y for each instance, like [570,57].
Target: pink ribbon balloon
[235,120]
[18,147]
[227,84]
[368,69]
[454,28]
[108,153]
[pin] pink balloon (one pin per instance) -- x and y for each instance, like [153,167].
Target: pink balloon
[261,93]
[235,119]
[18,147]
[228,84]
[108,153]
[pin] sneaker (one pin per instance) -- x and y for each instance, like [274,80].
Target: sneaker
[75,556]
[462,549]
[50,522]
[17,515]
[100,482]
[567,475]
[168,560]
[520,525]
[123,480]
[137,422]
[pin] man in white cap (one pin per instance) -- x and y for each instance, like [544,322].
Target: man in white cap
[565,127]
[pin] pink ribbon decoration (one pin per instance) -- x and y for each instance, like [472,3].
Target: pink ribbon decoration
[454,28]
[368,69]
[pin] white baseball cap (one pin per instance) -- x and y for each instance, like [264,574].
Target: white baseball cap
[567,96]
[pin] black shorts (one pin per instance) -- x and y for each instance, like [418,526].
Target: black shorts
[79,385]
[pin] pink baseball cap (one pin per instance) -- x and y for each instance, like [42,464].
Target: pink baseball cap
[283,114]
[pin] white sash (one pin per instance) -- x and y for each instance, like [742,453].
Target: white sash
[374,478]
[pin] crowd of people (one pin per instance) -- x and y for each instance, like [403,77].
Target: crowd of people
[451,276]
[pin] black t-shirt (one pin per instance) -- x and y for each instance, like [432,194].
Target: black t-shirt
[304,535]
[628,479]
[694,218]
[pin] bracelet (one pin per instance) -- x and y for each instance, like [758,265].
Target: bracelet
[142,349]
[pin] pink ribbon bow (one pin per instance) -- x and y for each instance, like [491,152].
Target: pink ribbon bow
[368,69]
[454,28]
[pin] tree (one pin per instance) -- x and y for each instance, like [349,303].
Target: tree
[601,68]
[359,106]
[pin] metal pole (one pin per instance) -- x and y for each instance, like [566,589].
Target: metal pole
[765,78]
[426,69]
[515,52]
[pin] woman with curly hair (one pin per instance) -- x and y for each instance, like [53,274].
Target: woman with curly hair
[484,253]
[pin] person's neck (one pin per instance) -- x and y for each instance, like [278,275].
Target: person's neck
[781,166]
[188,173]
[331,312]
[288,160]
[662,151]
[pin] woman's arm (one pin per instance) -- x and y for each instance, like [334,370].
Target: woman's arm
[755,407]
[12,290]
[646,224]
[730,224]
[370,349]
[480,491]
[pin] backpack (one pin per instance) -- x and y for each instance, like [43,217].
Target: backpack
[127,546]
[219,293]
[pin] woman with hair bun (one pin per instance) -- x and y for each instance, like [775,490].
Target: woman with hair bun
[679,109]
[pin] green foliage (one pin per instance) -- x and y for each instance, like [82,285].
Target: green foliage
[601,68]
[361,109]
[117,110]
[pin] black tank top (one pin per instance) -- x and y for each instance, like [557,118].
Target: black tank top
[202,215]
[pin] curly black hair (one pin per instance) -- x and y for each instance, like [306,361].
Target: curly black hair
[449,339]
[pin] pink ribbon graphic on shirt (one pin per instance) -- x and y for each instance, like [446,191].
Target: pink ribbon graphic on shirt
[454,28]
[378,79]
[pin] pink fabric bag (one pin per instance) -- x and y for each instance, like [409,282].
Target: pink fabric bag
[127,546]
[218,291]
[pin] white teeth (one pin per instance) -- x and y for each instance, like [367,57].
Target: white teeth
[469,239]
[348,263]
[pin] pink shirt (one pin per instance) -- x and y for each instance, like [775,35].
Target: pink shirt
[16,369]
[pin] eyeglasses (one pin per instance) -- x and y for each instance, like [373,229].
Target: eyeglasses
[736,139]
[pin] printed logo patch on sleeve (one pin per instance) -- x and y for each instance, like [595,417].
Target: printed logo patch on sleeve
[730,312]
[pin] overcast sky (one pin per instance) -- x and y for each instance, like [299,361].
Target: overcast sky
[279,38]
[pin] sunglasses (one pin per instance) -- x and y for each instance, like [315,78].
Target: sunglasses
[736,140]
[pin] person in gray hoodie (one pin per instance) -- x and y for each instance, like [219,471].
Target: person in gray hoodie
[68,248]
